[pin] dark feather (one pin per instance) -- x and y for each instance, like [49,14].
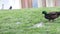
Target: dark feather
[51,15]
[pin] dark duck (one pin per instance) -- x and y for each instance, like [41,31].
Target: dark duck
[51,16]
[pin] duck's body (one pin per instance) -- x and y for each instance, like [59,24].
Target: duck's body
[50,16]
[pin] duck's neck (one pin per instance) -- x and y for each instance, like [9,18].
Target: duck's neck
[45,13]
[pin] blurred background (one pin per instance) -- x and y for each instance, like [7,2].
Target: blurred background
[18,4]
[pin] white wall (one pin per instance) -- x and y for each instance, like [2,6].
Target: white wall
[39,3]
[16,4]
[50,3]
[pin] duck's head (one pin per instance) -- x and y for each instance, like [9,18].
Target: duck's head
[44,12]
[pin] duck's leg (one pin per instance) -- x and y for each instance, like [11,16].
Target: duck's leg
[52,20]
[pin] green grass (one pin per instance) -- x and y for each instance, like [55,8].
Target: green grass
[27,18]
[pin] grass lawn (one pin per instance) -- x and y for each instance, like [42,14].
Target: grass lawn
[20,21]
